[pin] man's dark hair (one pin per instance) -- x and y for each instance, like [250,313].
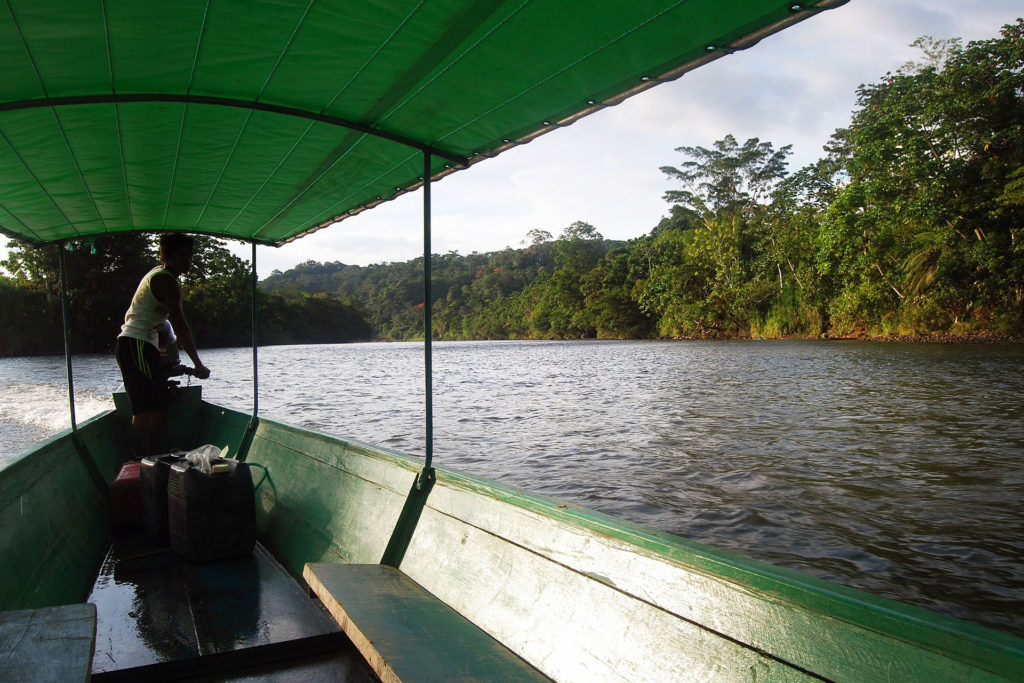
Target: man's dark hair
[173,242]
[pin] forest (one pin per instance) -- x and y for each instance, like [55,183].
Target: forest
[103,273]
[910,224]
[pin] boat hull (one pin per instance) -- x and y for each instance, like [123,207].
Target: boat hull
[578,594]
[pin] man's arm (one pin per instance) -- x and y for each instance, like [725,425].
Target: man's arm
[168,291]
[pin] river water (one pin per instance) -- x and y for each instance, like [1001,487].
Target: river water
[894,468]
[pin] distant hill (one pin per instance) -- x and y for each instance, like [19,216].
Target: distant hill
[465,288]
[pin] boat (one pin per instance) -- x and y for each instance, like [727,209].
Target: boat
[263,122]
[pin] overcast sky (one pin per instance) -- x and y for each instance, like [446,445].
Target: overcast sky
[795,87]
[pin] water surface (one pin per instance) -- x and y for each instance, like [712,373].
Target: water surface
[895,468]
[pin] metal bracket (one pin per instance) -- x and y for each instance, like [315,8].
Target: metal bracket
[409,518]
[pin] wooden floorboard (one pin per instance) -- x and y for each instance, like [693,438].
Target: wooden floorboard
[222,665]
[47,644]
[162,618]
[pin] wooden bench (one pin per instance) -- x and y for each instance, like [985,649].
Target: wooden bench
[47,644]
[407,634]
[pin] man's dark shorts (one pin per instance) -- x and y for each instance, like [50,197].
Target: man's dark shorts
[144,383]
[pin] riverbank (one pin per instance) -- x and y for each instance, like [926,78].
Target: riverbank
[951,339]
[865,336]
[858,334]
[983,337]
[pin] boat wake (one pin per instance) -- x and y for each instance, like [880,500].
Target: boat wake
[32,412]
[46,406]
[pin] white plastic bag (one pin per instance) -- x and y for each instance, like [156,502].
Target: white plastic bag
[201,457]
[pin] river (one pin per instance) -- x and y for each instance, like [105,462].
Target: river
[894,468]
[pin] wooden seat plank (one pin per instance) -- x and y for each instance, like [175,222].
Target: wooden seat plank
[47,644]
[405,632]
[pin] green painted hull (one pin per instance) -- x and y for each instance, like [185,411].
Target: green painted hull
[577,594]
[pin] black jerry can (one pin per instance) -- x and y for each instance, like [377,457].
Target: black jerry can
[156,470]
[211,516]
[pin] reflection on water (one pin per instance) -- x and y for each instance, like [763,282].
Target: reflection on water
[896,468]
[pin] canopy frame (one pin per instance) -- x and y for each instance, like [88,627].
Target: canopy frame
[173,98]
[796,12]
[371,121]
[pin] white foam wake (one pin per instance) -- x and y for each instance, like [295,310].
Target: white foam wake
[45,406]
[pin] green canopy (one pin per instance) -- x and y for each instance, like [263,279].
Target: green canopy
[264,120]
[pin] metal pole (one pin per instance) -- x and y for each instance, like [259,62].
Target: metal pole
[255,378]
[417,498]
[427,322]
[250,430]
[67,333]
[83,452]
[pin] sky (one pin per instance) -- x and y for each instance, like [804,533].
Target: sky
[795,87]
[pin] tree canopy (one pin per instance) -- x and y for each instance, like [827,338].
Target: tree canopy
[910,224]
[103,273]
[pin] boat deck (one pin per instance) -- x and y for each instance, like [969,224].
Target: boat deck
[162,618]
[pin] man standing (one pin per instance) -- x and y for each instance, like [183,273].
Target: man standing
[157,299]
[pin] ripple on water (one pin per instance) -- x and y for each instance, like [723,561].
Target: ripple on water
[896,468]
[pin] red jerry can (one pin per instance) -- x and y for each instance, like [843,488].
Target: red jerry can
[125,495]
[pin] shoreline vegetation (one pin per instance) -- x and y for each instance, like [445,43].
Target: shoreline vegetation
[950,339]
[909,229]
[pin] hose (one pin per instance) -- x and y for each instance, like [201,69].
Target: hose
[265,473]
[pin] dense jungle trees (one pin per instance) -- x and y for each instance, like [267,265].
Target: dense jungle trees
[911,223]
[928,229]
[103,273]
